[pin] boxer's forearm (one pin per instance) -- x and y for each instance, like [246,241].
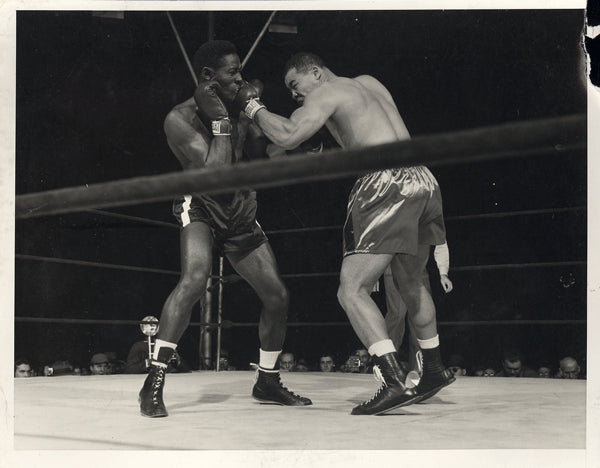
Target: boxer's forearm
[281,131]
[220,152]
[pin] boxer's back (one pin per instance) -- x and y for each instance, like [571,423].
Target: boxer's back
[366,114]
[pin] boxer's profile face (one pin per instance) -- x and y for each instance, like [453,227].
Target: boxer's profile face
[301,83]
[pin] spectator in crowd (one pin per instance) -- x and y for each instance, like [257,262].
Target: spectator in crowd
[456,364]
[326,363]
[568,369]
[60,367]
[358,362]
[365,360]
[115,365]
[483,371]
[99,364]
[287,362]
[512,366]
[137,360]
[224,362]
[301,366]
[544,372]
[23,368]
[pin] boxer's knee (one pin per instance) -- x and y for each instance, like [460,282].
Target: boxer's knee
[348,293]
[277,301]
[192,286]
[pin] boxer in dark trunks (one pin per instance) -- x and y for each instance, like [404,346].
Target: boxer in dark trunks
[394,216]
[208,130]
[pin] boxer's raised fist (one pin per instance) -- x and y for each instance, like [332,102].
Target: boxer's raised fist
[247,99]
[211,109]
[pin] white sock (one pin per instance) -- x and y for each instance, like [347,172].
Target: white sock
[430,343]
[268,359]
[382,347]
[162,344]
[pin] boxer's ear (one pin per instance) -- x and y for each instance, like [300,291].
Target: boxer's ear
[207,74]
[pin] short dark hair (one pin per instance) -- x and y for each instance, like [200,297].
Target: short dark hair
[512,355]
[210,53]
[21,361]
[302,61]
[327,354]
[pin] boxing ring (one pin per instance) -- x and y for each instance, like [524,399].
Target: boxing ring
[216,408]
[213,411]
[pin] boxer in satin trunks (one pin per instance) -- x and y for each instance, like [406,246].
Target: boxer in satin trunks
[207,130]
[394,216]
[231,217]
[393,211]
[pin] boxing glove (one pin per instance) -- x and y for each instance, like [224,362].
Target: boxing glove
[313,145]
[211,109]
[248,98]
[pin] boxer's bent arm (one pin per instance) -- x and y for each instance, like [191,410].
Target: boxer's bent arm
[186,141]
[302,124]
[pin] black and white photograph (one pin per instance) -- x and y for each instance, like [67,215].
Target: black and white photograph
[300,233]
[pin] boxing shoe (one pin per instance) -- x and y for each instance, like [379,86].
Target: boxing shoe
[269,389]
[412,379]
[151,394]
[433,382]
[392,393]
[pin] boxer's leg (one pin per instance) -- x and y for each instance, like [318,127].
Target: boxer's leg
[196,260]
[259,269]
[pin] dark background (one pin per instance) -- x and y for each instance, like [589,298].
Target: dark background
[92,93]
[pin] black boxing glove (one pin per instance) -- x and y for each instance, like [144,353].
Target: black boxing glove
[258,85]
[211,109]
[313,145]
[248,98]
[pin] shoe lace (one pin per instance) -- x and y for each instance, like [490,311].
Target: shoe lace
[157,385]
[419,360]
[377,374]
[285,388]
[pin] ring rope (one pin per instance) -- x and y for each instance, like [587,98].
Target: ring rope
[235,277]
[501,214]
[502,266]
[508,140]
[230,324]
[182,48]
[96,264]
[112,214]
[260,35]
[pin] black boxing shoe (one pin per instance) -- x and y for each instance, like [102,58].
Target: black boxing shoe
[151,394]
[269,389]
[392,393]
[433,382]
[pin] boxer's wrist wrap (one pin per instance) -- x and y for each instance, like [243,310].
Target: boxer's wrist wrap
[221,127]
[253,106]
